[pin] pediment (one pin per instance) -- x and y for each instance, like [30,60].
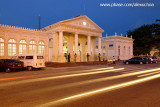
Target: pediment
[83,22]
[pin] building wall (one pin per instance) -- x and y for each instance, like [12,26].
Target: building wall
[111,44]
[17,33]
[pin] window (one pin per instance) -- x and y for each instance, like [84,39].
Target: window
[96,47]
[22,47]
[110,45]
[1,47]
[124,50]
[41,48]
[29,57]
[32,47]
[39,57]
[86,43]
[21,57]
[119,50]
[11,47]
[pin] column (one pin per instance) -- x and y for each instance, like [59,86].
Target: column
[76,48]
[99,45]
[99,48]
[17,48]
[61,46]
[89,44]
[76,43]
[55,49]
[50,46]
[89,47]
[6,49]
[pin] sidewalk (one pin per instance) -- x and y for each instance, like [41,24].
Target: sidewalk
[73,64]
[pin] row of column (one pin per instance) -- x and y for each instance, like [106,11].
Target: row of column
[76,43]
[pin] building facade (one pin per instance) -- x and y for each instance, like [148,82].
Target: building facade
[72,36]
[79,35]
[18,40]
[118,46]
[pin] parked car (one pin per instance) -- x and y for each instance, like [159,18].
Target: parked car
[147,60]
[9,64]
[154,59]
[31,60]
[138,60]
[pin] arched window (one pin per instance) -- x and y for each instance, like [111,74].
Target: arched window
[41,48]
[22,47]
[11,47]
[1,47]
[119,50]
[32,47]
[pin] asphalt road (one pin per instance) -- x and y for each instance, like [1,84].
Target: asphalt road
[83,86]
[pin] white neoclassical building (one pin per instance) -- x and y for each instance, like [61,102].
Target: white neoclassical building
[78,35]
[117,46]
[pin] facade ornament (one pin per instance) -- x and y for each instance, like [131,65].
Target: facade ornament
[121,34]
[106,35]
[115,33]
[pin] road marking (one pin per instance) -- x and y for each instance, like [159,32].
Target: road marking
[74,97]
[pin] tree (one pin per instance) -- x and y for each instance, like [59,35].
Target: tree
[143,40]
[156,35]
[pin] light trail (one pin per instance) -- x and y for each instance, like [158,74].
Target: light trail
[149,74]
[93,81]
[86,94]
[97,69]
[12,78]
[82,71]
[58,77]
[5,79]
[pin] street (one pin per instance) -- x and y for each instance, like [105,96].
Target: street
[83,86]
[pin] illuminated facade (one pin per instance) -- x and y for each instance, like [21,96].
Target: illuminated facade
[117,46]
[77,35]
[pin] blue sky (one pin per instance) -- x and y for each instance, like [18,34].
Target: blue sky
[24,13]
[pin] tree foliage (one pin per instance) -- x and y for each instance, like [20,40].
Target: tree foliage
[145,38]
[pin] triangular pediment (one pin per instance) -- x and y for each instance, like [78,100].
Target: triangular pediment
[83,22]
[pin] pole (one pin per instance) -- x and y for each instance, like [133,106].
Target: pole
[84,7]
[39,22]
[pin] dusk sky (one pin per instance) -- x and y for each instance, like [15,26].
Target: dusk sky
[24,13]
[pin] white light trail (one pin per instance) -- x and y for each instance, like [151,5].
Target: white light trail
[149,74]
[64,100]
[94,80]
[59,77]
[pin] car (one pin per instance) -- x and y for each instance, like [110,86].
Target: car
[31,60]
[9,65]
[154,59]
[137,60]
[147,60]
